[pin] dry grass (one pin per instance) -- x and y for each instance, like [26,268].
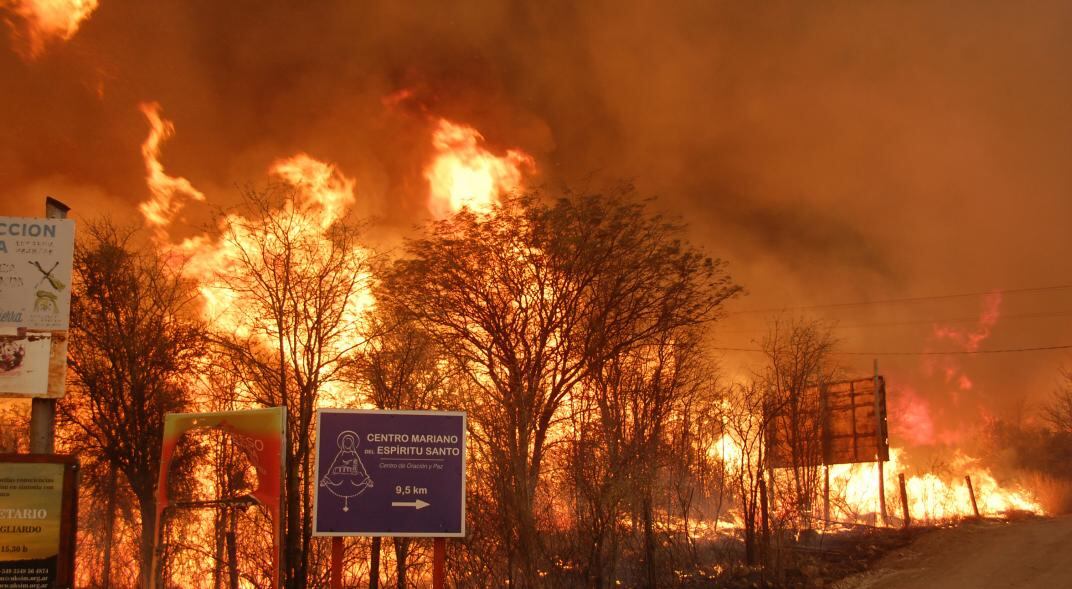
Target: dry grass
[1055,494]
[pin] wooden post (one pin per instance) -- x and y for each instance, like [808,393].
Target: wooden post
[374,564]
[907,517]
[439,563]
[764,512]
[336,562]
[971,493]
[878,435]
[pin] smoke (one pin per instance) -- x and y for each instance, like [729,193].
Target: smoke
[836,152]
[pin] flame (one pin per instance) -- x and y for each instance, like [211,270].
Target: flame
[931,496]
[326,193]
[167,191]
[463,174]
[44,21]
[322,195]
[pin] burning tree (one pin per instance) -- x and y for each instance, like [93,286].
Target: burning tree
[798,359]
[625,421]
[287,282]
[133,341]
[528,302]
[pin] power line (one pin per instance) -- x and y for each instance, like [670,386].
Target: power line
[903,300]
[923,321]
[951,353]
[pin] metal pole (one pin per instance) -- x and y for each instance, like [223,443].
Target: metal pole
[971,493]
[879,440]
[43,410]
[439,563]
[336,562]
[904,501]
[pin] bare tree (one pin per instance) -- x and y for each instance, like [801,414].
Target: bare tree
[133,342]
[399,367]
[798,364]
[532,299]
[622,445]
[1058,412]
[293,321]
[742,451]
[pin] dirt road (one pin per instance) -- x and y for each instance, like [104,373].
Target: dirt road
[1027,553]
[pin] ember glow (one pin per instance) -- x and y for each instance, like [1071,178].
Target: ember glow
[464,174]
[44,21]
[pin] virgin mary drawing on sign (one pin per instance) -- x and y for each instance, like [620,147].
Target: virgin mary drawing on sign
[347,477]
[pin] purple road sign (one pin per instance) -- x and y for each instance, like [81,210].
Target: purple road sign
[389,473]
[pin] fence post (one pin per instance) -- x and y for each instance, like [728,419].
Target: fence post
[907,518]
[971,493]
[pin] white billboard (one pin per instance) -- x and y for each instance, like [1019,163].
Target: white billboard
[35,272]
[36,256]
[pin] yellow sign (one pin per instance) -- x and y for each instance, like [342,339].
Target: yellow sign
[31,502]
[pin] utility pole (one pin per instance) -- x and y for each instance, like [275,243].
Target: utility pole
[43,410]
[880,439]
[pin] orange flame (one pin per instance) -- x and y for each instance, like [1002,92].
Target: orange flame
[48,20]
[167,191]
[322,195]
[325,192]
[931,496]
[464,174]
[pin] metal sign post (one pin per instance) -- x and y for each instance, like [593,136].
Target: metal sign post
[43,410]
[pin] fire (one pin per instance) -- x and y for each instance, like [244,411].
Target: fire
[167,191]
[931,496]
[321,197]
[464,174]
[44,21]
[326,194]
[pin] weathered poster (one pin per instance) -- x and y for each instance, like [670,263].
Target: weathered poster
[24,362]
[261,434]
[390,473]
[36,256]
[36,533]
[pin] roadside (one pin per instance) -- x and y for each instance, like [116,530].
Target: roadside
[1024,553]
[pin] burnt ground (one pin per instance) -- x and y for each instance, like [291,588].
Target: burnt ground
[1020,551]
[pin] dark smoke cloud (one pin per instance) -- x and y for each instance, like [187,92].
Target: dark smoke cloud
[832,151]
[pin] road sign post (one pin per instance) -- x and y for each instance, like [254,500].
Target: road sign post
[391,473]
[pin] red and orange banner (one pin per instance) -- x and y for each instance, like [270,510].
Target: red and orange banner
[262,434]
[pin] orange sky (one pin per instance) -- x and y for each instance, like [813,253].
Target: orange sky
[856,151]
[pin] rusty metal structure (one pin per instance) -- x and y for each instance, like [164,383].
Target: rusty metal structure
[841,422]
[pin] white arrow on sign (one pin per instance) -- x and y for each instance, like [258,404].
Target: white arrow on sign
[418,504]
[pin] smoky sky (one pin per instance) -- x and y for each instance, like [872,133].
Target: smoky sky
[829,151]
